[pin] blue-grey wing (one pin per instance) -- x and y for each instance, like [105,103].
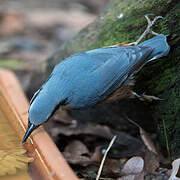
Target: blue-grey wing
[89,77]
[113,73]
[98,73]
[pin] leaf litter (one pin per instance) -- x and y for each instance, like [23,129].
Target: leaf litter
[87,142]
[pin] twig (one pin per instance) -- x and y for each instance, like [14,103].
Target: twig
[104,157]
[131,121]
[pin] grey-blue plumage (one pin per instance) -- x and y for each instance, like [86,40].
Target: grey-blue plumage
[85,79]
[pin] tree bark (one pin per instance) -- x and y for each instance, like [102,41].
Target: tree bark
[123,21]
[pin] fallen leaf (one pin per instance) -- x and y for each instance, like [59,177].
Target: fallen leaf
[126,145]
[151,158]
[76,148]
[97,155]
[112,165]
[97,130]
[77,153]
[175,169]
[133,166]
[151,161]
[145,137]
[147,140]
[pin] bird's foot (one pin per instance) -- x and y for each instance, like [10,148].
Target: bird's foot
[148,29]
[150,98]
[145,97]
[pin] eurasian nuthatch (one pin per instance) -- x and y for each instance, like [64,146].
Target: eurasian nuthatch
[96,76]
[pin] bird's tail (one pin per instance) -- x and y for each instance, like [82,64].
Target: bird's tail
[158,44]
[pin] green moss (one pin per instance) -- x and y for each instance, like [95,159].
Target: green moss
[169,111]
[11,64]
[162,78]
[128,28]
[168,78]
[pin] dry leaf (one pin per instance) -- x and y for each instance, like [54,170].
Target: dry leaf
[97,155]
[96,130]
[175,169]
[151,154]
[147,140]
[144,136]
[77,148]
[151,161]
[133,166]
[11,160]
[112,165]
[133,145]
[77,153]
[133,169]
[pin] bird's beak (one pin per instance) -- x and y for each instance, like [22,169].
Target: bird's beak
[29,130]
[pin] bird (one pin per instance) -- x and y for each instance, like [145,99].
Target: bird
[95,77]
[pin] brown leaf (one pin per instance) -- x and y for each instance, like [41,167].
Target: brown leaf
[97,130]
[133,145]
[97,155]
[147,140]
[175,169]
[112,165]
[76,148]
[77,153]
[151,161]
[133,166]
[151,155]
[144,136]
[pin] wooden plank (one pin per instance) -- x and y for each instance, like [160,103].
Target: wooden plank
[48,161]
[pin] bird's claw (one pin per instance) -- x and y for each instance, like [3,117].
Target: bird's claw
[150,98]
[151,23]
[148,29]
[145,97]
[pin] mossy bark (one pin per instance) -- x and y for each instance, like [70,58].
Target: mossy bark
[123,21]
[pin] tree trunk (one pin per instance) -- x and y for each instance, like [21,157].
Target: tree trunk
[123,21]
